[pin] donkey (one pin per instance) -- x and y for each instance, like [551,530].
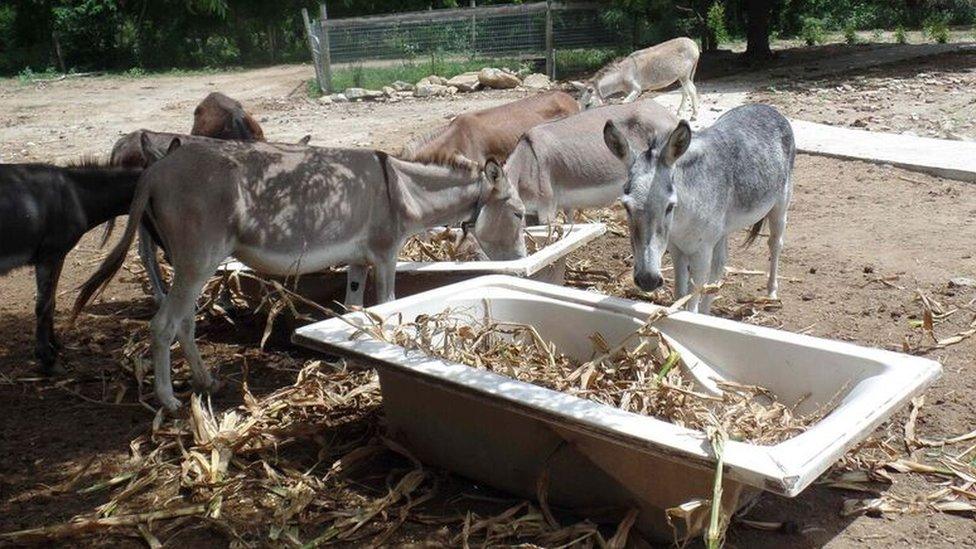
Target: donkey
[490,133]
[44,212]
[565,165]
[221,117]
[687,195]
[289,210]
[131,150]
[649,69]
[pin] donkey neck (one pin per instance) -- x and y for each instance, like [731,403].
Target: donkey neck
[441,194]
[104,193]
[610,83]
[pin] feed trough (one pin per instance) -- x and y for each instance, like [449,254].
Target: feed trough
[508,433]
[548,264]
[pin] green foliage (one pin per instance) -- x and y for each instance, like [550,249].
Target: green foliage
[901,36]
[715,22]
[876,35]
[937,27]
[812,31]
[850,32]
[583,62]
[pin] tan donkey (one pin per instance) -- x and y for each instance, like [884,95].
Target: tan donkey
[652,68]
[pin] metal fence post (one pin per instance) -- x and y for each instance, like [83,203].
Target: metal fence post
[474,36]
[324,47]
[550,51]
[313,46]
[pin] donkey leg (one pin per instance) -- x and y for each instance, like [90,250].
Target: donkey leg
[355,285]
[693,91]
[632,96]
[147,252]
[46,346]
[776,218]
[700,264]
[716,272]
[680,262]
[385,270]
[684,96]
[177,306]
[203,380]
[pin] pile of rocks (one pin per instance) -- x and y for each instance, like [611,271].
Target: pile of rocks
[435,86]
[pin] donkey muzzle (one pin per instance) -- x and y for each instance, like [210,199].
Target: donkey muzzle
[648,281]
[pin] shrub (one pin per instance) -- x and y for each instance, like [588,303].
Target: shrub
[876,35]
[715,21]
[812,31]
[937,28]
[850,32]
[900,35]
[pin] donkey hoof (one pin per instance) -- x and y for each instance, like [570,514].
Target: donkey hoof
[210,386]
[171,406]
[51,369]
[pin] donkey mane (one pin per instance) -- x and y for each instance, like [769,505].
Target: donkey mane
[611,66]
[420,150]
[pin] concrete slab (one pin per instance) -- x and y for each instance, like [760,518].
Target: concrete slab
[940,157]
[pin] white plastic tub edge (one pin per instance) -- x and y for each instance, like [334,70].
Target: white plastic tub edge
[576,236]
[786,468]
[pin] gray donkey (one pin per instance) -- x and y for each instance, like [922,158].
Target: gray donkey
[686,195]
[564,165]
[289,210]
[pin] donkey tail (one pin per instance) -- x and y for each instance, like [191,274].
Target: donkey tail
[753,233]
[97,282]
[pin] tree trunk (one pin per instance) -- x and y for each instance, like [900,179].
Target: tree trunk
[757,29]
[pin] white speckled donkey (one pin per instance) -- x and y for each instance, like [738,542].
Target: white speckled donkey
[290,210]
[685,195]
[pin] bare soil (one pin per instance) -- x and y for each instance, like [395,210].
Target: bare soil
[930,97]
[863,242]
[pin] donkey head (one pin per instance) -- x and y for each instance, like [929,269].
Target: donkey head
[649,197]
[591,97]
[221,117]
[500,217]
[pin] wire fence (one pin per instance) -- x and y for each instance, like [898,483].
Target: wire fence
[533,30]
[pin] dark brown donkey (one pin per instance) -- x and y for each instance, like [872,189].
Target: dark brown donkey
[474,137]
[221,117]
[44,211]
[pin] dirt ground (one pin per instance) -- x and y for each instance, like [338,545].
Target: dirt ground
[932,97]
[863,243]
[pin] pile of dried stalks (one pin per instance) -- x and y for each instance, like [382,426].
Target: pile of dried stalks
[641,374]
[452,245]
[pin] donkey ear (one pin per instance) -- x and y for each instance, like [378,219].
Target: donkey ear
[496,175]
[617,142]
[305,140]
[677,143]
[174,144]
[151,152]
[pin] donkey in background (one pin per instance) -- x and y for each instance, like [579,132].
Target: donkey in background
[474,137]
[686,194]
[564,165]
[44,212]
[222,117]
[291,210]
[649,69]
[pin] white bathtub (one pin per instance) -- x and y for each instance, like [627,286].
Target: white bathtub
[503,432]
[547,264]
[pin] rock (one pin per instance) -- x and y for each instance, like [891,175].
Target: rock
[390,92]
[433,79]
[467,82]
[537,81]
[402,86]
[427,89]
[325,100]
[962,282]
[356,94]
[452,90]
[339,98]
[497,79]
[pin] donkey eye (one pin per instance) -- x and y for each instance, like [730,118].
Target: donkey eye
[669,210]
[519,215]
